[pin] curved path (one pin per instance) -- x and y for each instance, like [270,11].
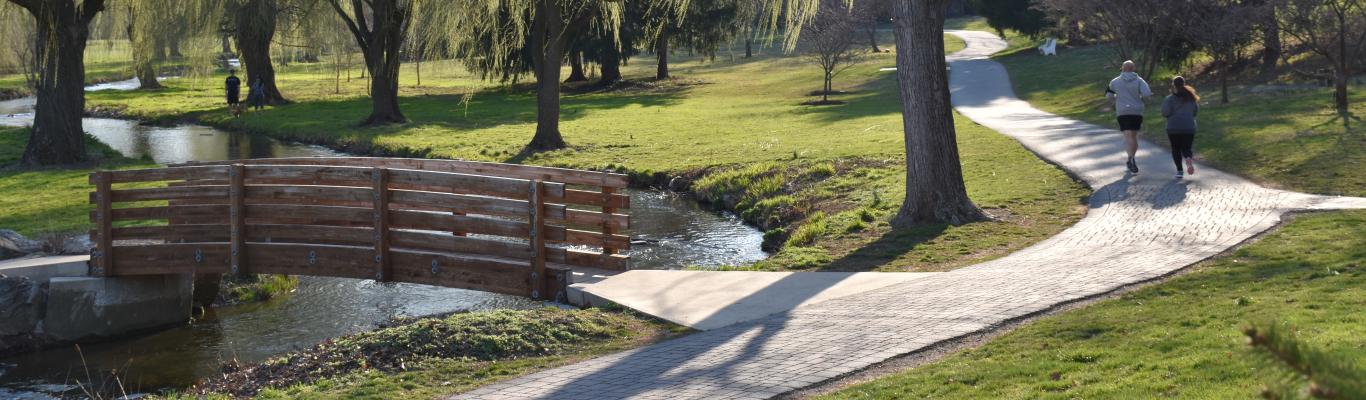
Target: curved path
[1139,228]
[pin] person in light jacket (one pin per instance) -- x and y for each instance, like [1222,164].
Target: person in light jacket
[1180,109]
[1127,91]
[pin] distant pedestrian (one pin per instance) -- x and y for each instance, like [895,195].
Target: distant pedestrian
[1180,109]
[234,91]
[257,98]
[1127,91]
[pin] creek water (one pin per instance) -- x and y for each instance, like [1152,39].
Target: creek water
[672,231]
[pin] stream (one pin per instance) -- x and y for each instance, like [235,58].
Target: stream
[676,231]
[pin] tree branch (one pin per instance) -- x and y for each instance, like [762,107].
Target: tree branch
[350,24]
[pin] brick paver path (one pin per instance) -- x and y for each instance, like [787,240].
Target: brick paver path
[1139,228]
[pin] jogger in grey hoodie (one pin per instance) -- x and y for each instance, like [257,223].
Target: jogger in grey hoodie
[1127,91]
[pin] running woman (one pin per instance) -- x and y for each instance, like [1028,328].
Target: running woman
[1180,109]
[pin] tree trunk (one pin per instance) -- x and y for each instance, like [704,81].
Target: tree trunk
[611,67]
[1340,86]
[872,35]
[935,192]
[173,48]
[662,51]
[576,68]
[1223,83]
[227,44]
[62,27]
[381,42]
[1271,49]
[144,64]
[255,29]
[549,34]
[749,52]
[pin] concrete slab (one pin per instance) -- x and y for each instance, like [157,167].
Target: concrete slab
[44,268]
[708,300]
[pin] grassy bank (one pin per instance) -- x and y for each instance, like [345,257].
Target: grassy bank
[731,116]
[431,357]
[1181,338]
[38,202]
[1286,138]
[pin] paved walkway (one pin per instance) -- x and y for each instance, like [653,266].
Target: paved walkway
[1139,228]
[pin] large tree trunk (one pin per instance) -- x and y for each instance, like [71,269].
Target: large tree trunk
[550,35]
[255,29]
[173,47]
[63,27]
[381,42]
[576,68]
[611,67]
[1271,49]
[935,192]
[144,63]
[662,51]
[1340,78]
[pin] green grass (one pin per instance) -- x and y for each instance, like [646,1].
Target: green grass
[1291,139]
[1014,40]
[731,114]
[1181,338]
[50,200]
[255,288]
[105,61]
[431,357]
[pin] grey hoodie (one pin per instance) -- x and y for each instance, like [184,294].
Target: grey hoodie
[1128,91]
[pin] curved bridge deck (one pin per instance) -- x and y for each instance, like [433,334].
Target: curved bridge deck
[501,228]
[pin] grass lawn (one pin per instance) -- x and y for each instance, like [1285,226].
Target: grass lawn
[726,117]
[37,202]
[1181,338]
[1290,139]
[105,61]
[431,357]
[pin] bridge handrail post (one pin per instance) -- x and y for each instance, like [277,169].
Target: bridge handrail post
[607,210]
[237,216]
[536,202]
[380,180]
[104,245]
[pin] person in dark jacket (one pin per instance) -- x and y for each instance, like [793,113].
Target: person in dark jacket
[1180,109]
[233,85]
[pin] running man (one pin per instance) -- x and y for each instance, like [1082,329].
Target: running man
[234,88]
[1127,91]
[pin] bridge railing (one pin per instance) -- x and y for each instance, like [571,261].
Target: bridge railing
[494,227]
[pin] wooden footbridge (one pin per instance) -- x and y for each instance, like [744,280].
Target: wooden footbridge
[502,228]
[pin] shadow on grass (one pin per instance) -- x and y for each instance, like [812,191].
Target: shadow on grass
[891,246]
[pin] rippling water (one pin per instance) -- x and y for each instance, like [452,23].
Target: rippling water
[672,231]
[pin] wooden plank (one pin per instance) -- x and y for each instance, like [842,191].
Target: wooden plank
[308,214]
[175,233]
[172,258]
[562,175]
[167,193]
[237,216]
[320,234]
[167,174]
[326,175]
[591,259]
[559,234]
[592,219]
[261,193]
[452,182]
[463,203]
[491,274]
[556,283]
[381,217]
[591,198]
[457,223]
[536,217]
[104,212]
[165,212]
[446,243]
[310,259]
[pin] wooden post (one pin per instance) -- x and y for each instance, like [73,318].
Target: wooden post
[104,208]
[536,201]
[607,211]
[237,215]
[380,178]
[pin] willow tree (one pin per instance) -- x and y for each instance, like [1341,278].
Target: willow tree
[380,28]
[62,27]
[254,23]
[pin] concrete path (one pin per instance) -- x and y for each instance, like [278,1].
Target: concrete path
[707,300]
[1139,228]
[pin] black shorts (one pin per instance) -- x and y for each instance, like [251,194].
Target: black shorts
[1130,122]
[232,100]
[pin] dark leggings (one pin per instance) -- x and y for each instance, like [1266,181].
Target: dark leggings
[1181,147]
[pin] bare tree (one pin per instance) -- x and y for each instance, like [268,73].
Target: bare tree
[831,42]
[1332,29]
[1223,28]
[1146,31]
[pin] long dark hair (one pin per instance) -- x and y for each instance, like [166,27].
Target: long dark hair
[1184,91]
